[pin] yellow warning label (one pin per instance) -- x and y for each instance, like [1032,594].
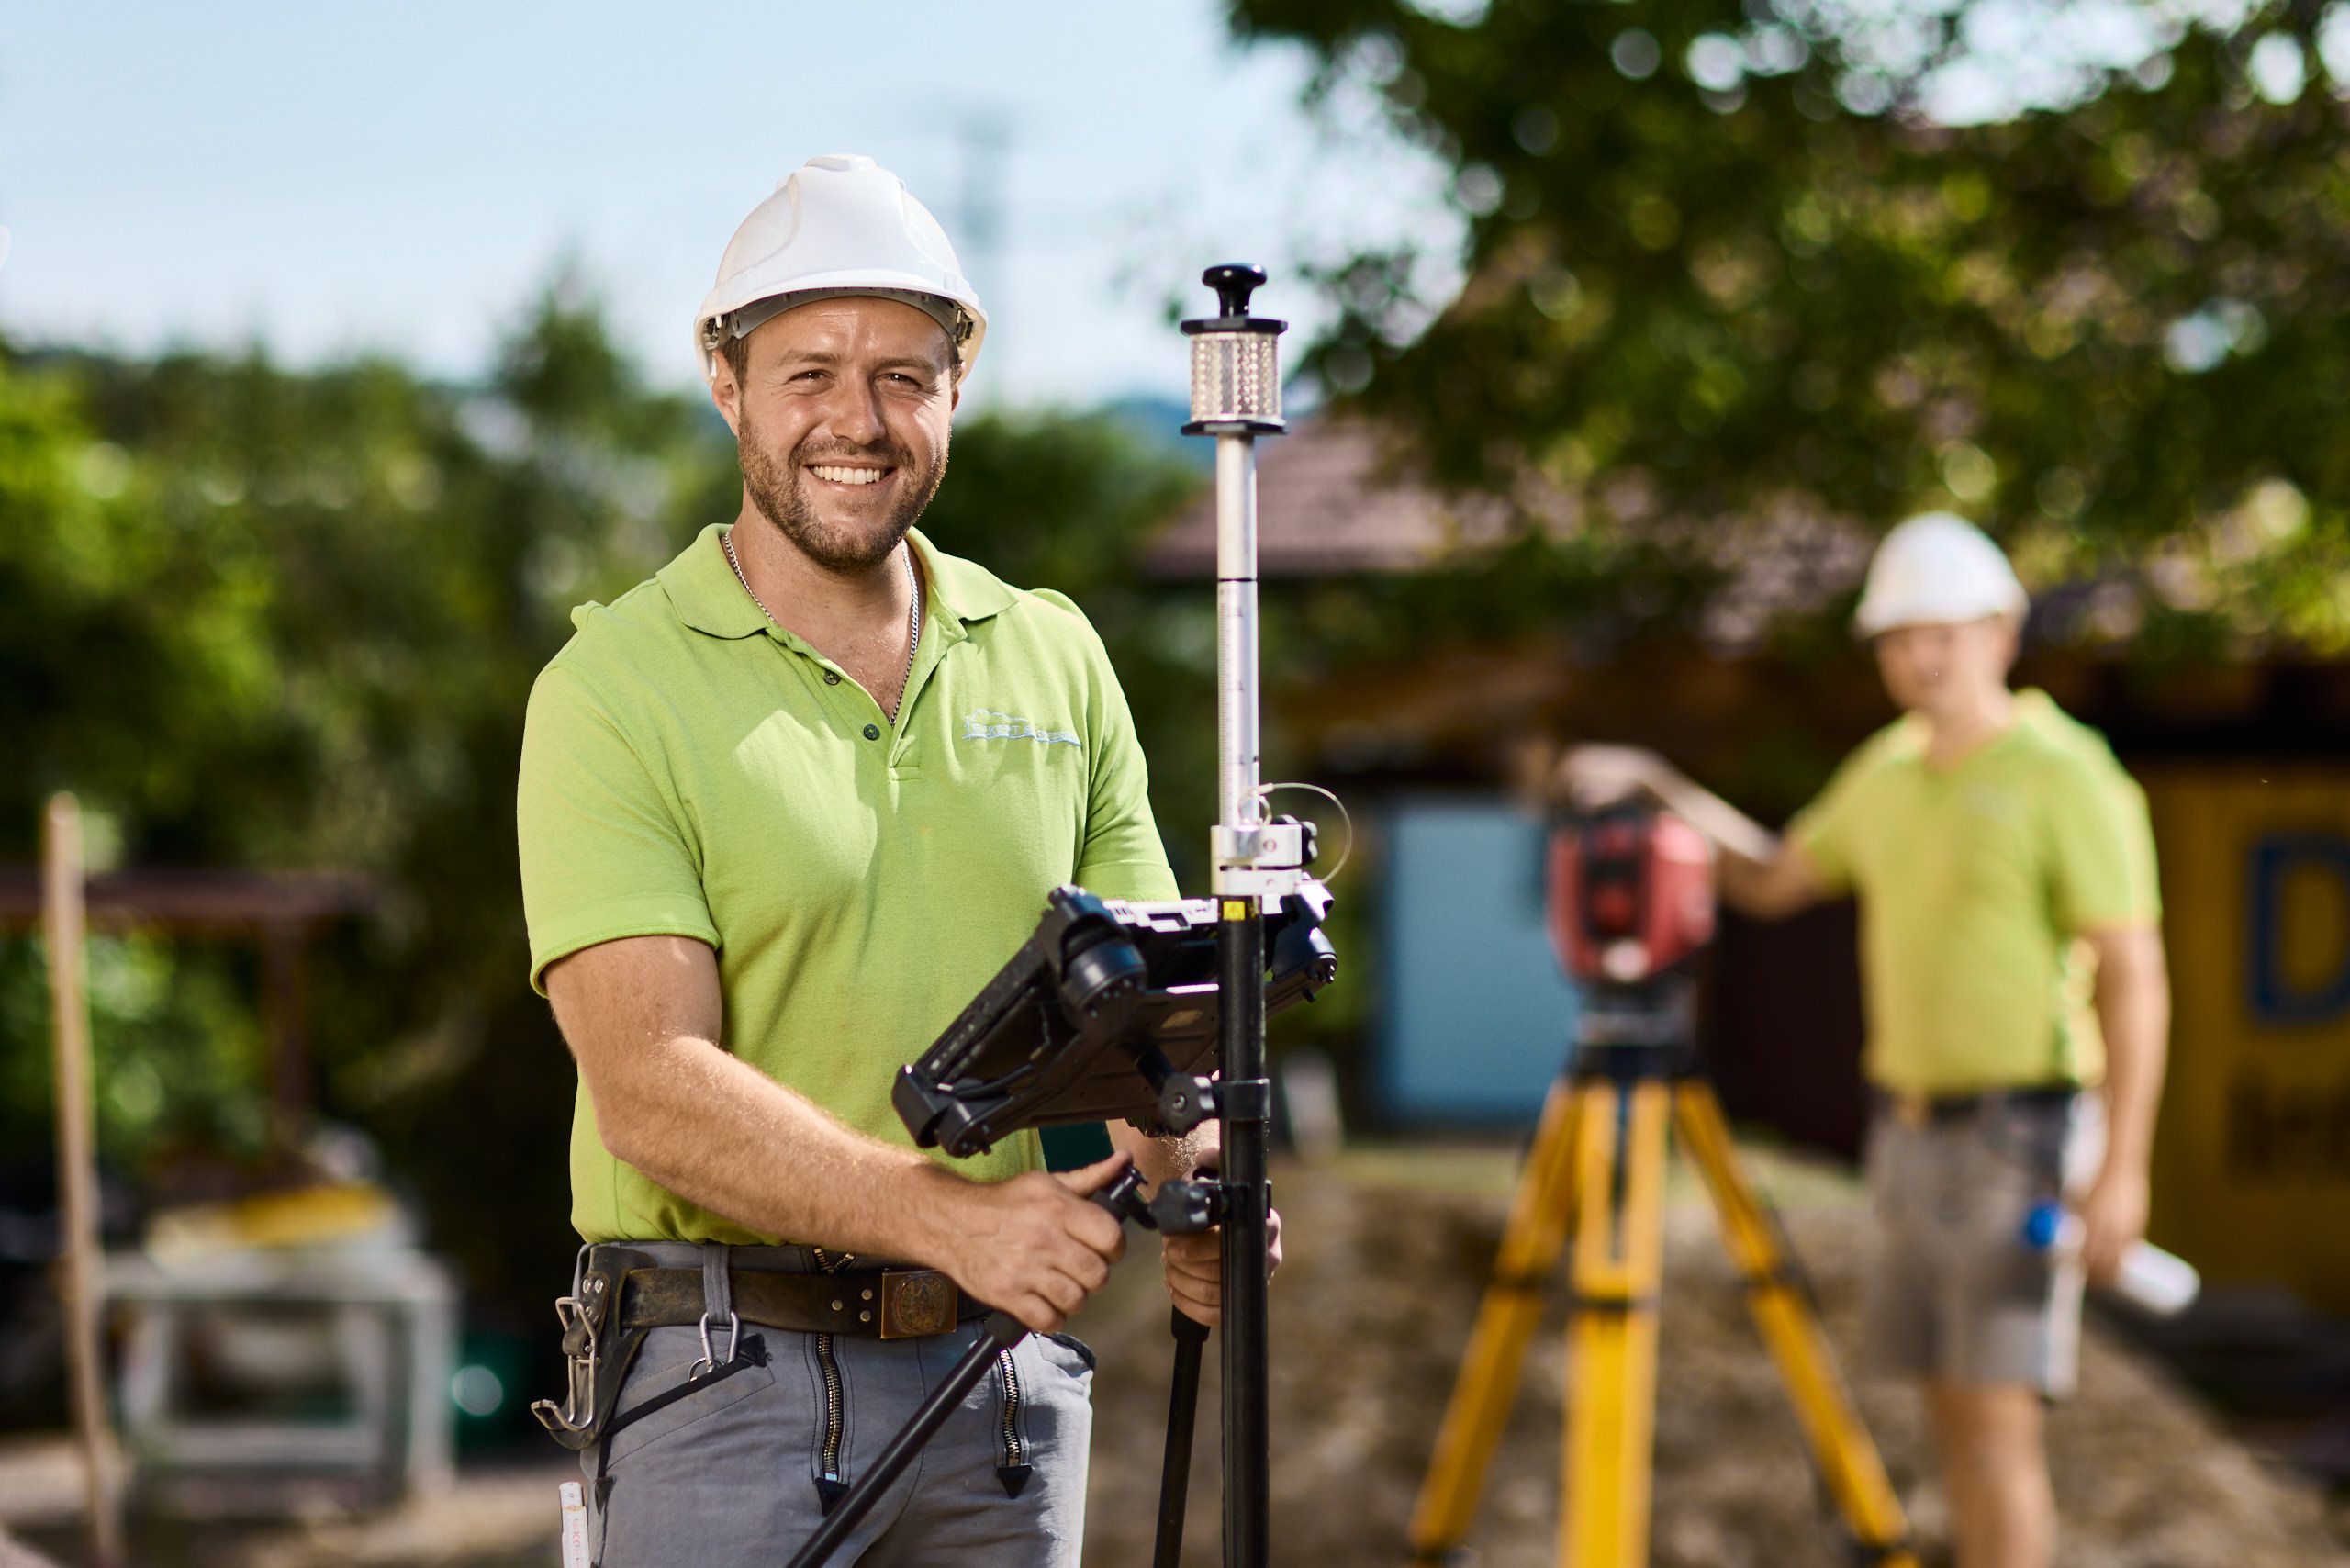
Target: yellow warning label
[1235,909]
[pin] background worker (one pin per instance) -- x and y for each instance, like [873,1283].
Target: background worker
[2000,857]
[765,861]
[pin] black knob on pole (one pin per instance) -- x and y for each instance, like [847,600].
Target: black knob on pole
[1234,282]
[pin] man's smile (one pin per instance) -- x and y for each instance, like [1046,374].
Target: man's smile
[852,476]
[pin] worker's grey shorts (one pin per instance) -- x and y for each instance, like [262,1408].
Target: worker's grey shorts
[729,1476]
[1953,1291]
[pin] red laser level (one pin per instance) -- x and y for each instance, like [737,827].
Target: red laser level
[1632,894]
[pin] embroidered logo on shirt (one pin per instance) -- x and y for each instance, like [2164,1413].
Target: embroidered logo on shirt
[983,725]
[2000,805]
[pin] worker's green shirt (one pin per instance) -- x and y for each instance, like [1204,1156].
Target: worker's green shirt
[690,768]
[1975,884]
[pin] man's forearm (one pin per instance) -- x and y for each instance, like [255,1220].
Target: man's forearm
[721,1134]
[1766,887]
[2134,1014]
[1739,837]
[1758,872]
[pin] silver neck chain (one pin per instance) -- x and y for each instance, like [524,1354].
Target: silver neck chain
[914,615]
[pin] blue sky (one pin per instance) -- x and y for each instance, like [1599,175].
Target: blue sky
[328,178]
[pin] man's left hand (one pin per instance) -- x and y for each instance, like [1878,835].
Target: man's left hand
[2113,1216]
[1196,1269]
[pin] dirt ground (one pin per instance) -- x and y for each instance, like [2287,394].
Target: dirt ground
[1386,1260]
[1387,1254]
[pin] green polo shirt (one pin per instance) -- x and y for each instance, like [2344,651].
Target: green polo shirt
[1974,883]
[690,768]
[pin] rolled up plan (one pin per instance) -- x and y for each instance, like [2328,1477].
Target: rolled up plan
[2150,1279]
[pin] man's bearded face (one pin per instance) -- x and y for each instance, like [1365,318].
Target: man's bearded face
[843,424]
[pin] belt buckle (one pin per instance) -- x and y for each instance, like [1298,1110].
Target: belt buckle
[1912,1111]
[917,1303]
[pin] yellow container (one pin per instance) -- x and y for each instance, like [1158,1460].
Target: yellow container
[2252,1160]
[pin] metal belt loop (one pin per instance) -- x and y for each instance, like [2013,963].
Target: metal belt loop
[717,1300]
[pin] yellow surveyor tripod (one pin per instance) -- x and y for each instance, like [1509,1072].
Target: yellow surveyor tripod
[1597,1174]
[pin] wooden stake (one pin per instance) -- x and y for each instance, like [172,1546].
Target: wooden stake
[79,1259]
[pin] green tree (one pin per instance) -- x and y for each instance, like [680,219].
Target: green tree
[1728,281]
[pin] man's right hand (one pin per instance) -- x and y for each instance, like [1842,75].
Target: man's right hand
[1034,1245]
[1594,776]
[1759,875]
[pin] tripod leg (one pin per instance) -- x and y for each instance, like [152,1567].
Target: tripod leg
[1182,1413]
[1611,1335]
[1506,1319]
[1783,1313]
[1002,1331]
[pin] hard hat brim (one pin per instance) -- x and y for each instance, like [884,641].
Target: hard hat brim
[715,312]
[1870,620]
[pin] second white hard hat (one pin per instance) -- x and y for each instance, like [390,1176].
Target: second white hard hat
[838,224]
[1936,568]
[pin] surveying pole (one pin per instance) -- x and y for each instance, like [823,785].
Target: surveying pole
[1236,398]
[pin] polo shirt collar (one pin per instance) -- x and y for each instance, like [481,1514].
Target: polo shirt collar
[708,597]
[2033,710]
[960,591]
[705,592]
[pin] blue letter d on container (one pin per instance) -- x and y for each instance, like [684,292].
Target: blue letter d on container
[2274,998]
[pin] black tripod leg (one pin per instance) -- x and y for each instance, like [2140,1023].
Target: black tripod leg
[1002,1331]
[1182,1411]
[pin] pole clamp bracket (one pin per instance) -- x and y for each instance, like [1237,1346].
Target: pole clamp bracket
[1284,842]
[1189,1207]
[1265,860]
[1244,1100]
[1268,888]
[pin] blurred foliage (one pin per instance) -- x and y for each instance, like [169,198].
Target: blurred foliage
[1730,284]
[260,617]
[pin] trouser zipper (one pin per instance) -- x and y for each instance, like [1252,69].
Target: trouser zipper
[831,1486]
[1016,1470]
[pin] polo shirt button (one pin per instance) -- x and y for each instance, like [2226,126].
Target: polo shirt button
[873,731]
[832,678]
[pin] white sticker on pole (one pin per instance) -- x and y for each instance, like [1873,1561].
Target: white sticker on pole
[574,1526]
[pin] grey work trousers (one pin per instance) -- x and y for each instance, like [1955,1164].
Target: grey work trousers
[732,1474]
[1954,1293]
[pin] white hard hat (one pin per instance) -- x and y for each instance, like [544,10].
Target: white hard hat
[838,225]
[1936,568]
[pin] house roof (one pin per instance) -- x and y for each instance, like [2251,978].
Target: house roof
[1339,496]
[1336,496]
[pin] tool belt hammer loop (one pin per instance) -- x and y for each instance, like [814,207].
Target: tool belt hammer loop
[596,1349]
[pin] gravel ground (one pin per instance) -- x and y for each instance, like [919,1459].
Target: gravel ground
[498,1517]
[1387,1254]
[1373,1308]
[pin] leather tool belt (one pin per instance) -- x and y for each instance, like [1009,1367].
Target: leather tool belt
[1914,1110]
[620,1294]
[875,1304]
